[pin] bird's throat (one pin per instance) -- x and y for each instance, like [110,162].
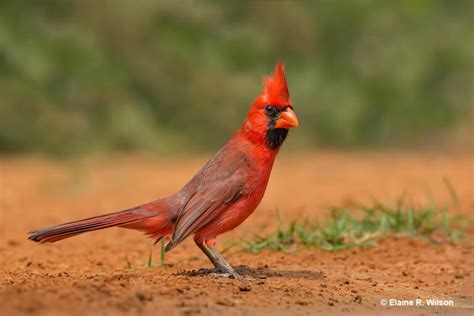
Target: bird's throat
[275,136]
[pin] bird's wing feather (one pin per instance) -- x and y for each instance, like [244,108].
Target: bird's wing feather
[214,189]
[205,206]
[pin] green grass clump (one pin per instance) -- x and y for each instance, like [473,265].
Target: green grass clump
[362,226]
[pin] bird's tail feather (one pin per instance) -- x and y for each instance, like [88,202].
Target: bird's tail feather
[131,218]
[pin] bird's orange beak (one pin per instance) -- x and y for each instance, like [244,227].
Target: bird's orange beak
[287,119]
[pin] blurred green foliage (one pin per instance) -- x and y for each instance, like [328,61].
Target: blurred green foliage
[167,76]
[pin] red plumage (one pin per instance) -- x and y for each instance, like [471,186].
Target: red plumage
[276,88]
[221,195]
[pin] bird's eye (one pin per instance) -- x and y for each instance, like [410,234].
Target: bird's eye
[270,109]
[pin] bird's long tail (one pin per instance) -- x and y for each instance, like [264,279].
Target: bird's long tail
[145,220]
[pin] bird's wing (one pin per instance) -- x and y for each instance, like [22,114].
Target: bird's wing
[215,188]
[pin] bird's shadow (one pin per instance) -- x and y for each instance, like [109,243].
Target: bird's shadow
[260,273]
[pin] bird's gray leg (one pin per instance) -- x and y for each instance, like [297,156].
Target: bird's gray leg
[202,246]
[217,260]
[223,263]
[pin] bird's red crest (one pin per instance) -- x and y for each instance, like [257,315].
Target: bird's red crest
[275,88]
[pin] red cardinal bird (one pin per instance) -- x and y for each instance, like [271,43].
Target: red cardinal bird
[221,195]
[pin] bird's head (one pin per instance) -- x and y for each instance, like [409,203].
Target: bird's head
[272,114]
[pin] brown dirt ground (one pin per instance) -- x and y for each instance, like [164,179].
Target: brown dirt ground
[87,274]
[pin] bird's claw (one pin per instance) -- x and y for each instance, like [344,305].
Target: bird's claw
[222,273]
[225,275]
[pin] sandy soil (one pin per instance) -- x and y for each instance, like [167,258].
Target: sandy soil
[87,275]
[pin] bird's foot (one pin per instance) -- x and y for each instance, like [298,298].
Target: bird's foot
[230,275]
[223,273]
